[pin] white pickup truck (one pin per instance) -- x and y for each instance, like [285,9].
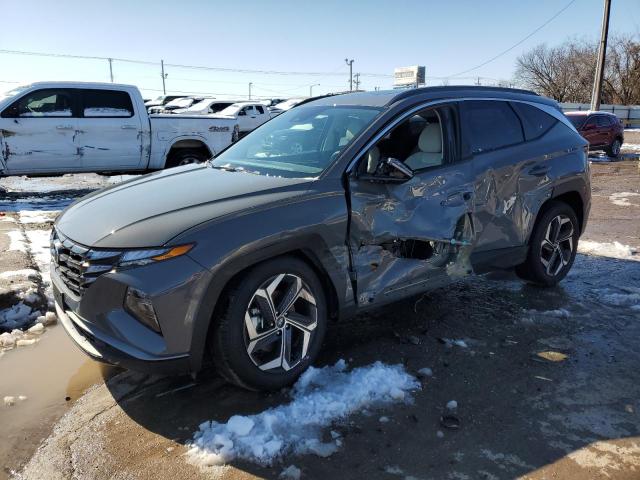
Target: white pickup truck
[63,127]
[249,115]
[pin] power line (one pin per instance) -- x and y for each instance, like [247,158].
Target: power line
[518,43]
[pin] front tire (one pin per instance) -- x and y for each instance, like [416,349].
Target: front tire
[613,150]
[271,325]
[553,246]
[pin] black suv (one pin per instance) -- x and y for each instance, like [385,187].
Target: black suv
[251,255]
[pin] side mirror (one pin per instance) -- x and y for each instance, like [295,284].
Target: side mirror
[242,112]
[398,172]
[400,168]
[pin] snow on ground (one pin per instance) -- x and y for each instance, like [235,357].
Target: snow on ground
[631,147]
[623,199]
[39,245]
[82,181]
[320,397]
[37,216]
[17,241]
[608,249]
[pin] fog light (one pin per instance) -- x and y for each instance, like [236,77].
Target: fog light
[139,304]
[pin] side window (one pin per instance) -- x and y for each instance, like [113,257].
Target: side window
[423,141]
[602,121]
[591,122]
[535,122]
[491,125]
[260,109]
[106,104]
[43,103]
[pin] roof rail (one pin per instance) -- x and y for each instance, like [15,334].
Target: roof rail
[416,91]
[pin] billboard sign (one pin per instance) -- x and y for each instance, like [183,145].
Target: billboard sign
[405,76]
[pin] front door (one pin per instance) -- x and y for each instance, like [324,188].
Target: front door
[410,234]
[109,131]
[37,133]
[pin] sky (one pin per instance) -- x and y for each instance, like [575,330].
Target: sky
[447,37]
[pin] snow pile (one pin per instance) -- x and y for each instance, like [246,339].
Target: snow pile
[37,216]
[17,316]
[622,199]
[630,298]
[320,397]
[16,241]
[41,253]
[607,249]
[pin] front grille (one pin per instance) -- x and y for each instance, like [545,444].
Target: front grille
[77,265]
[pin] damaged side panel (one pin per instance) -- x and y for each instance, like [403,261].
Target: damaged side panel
[411,236]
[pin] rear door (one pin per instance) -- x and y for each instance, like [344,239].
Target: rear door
[110,131]
[38,132]
[512,168]
[405,235]
[590,131]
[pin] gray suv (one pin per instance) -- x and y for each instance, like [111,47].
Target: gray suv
[248,258]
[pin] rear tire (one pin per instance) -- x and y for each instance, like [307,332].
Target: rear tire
[613,150]
[553,246]
[270,326]
[185,156]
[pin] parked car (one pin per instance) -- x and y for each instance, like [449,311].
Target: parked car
[284,106]
[205,107]
[64,127]
[603,130]
[177,104]
[248,115]
[272,102]
[249,258]
[161,100]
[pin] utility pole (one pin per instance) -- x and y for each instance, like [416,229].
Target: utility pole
[602,52]
[478,82]
[357,81]
[350,63]
[250,84]
[111,69]
[311,88]
[164,76]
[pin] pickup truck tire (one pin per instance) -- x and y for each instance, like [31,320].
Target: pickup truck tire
[270,325]
[185,156]
[553,246]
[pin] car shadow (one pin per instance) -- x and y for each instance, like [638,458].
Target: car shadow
[519,413]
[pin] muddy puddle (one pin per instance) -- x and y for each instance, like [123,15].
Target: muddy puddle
[51,374]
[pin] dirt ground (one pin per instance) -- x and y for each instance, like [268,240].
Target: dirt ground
[521,415]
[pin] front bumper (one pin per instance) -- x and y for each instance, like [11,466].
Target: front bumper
[99,325]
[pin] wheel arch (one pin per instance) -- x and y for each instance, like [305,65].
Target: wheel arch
[573,198]
[227,275]
[191,143]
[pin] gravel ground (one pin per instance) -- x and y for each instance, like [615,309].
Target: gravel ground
[547,385]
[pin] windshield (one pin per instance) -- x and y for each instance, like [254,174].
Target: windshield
[231,110]
[14,92]
[287,104]
[180,103]
[299,143]
[577,120]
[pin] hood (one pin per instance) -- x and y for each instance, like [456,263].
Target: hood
[151,210]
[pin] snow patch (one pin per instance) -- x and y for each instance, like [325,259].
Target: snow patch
[608,249]
[37,216]
[17,316]
[290,473]
[622,199]
[320,397]
[17,241]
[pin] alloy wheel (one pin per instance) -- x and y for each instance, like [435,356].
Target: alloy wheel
[557,246]
[279,323]
[615,148]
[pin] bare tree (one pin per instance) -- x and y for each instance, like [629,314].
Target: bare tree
[565,72]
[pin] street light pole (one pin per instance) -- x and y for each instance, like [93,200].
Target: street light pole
[250,84]
[350,63]
[111,68]
[311,88]
[602,52]
[164,76]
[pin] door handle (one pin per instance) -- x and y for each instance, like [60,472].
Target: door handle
[456,199]
[538,171]
[129,127]
[64,127]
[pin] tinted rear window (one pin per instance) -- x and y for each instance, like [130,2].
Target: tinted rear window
[535,122]
[106,103]
[492,125]
[577,120]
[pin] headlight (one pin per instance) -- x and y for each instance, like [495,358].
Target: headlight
[132,258]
